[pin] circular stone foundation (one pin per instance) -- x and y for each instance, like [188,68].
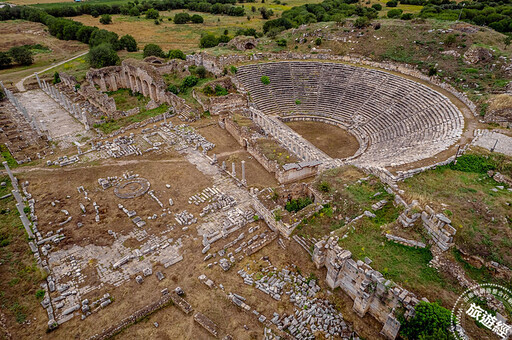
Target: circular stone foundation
[334,141]
[132,188]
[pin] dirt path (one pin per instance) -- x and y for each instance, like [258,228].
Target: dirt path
[21,87]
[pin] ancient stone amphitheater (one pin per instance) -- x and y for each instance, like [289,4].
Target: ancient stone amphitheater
[395,120]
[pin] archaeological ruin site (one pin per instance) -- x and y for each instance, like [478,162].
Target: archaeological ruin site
[251,194]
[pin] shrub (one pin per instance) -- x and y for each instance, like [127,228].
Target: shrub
[177,54]
[233,69]
[5,59]
[265,80]
[220,91]
[406,16]
[201,72]
[395,13]
[173,89]
[40,294]
[208,40]
[324,186]
[134,12]
[102,55]
[181,18]
[281,42]
[197,19]
[208,91]
[391,4]
[473,163]
[56,78]
[450,39]
[297,102]
[318,41]
[431,321]
[224,39]
[377,7]
[128,42]
[189,81]
[361,22]
[298,204]
[152,14]
[153,50]
[106,19]
[21,55]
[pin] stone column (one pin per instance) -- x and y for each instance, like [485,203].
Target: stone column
[38,80]
[223,165]
[14,180]
[233,172]
[243,173]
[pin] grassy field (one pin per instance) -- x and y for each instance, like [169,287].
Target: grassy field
[479,210]
[113,125]
[19,32]
[19,272]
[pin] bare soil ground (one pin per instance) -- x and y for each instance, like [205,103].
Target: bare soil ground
[332,140]
[18,33]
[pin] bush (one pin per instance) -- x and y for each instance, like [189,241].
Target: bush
[377,7]
[99,37]
[324,186]
[153,50]
[152,14]
[224,39]
[220,91]
[56,78]
[128,42]
[201,72]
[173,89]
[406,16]
[5,59]
[21,55]
[197,19]
[395,13]
[208,40]
[431,321]
[265,80]
[298,204]
[181,18]
[282,42]
[40,294]
[318,41]
[391,4]
[106,19]
[189,81]
[361,22]
[102,55]
[233,69]
[473,163]
[177,54]
[450,39]
[134,12]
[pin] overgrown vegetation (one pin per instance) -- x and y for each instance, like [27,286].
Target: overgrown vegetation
[431,321]
[298,204]
[112,125]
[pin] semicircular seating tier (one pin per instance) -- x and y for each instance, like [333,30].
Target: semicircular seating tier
[396,120]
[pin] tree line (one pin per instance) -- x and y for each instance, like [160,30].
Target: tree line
[226,7]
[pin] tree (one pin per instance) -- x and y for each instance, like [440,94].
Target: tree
[361,22]
[189,81]
[152,14]
[181,18]
[507,41]
[21,55]
[208,40]
[377,7]
[103,55]
[395,13]
[197,19]
[106,19]
[201,72]
[173,89]
[177,54]
[56,78]
[266,13]
[431,321]
[5,59]
[128,42]
[99,37]
[153,50]
[391,4]
[134,12]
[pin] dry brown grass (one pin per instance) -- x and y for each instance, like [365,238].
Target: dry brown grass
[500,102]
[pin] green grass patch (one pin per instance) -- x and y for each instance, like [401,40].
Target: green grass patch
[113,125]
[7,157]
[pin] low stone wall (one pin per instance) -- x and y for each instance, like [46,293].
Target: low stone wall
[439,228]
[141,313]
[371,292]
